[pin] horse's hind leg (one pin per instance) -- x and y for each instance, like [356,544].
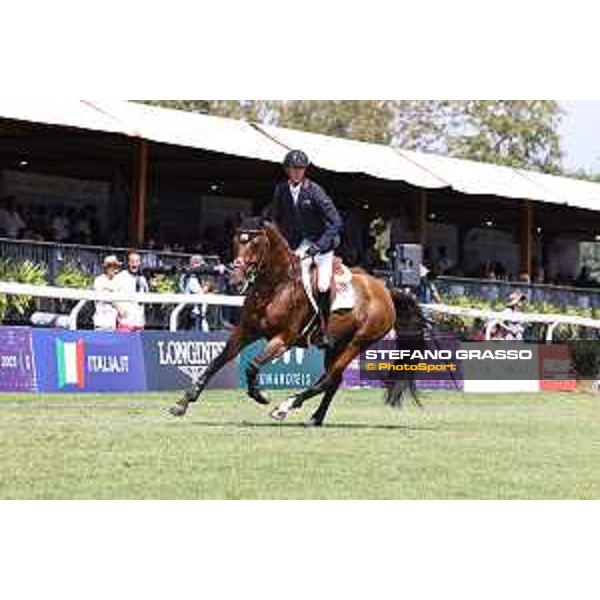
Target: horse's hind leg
[336,362]
[281,412]
[319,416]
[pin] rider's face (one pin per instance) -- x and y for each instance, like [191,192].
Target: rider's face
[296,174]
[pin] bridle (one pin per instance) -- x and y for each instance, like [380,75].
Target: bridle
[251,269]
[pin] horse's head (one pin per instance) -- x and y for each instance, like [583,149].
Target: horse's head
[251,252]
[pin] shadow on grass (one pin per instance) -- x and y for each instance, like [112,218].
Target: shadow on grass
[296,425]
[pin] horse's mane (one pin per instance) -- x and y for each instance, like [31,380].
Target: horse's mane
[275,236]
[279,248]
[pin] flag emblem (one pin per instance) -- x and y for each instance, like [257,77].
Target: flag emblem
[70,363]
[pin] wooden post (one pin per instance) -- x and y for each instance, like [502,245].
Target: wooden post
[421,220]
[140,192]
[526,248]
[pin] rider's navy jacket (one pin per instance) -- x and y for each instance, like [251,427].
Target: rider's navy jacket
[314,217]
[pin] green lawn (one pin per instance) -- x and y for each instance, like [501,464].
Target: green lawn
[126,446]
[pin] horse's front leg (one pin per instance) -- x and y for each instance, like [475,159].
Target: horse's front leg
[275,348]
[236,342]
[296,400]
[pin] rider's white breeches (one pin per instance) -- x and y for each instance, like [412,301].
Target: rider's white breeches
[324,264]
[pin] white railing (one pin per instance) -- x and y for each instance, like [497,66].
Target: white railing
[180,301]
[85,296]
[493,318]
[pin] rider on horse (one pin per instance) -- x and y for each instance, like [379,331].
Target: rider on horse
[312,226]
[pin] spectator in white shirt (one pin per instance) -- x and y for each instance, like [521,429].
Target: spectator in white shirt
[131,314]
[192,283]
[105,317]
[11,222]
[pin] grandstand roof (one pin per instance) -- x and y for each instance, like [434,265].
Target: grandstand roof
[268,143]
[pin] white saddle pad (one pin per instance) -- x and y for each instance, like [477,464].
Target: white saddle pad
[345,294]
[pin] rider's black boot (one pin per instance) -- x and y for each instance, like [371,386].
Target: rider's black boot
[324,304]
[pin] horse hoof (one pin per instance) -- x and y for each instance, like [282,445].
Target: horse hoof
[279,415]
[259,398]
[313,423]
[178,410]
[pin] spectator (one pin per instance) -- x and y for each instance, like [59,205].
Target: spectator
[131,314]
[426,291]
[190,283]
[59,226]
[105,317]
[584,279]
[11,222]
[82,228]
[500,271]
[95,233]
[524,278]
[373,258]
[443,264]
[151,258]
[512,330]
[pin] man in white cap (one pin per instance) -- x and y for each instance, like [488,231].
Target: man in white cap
[512,330]
[132,315]
[105,317]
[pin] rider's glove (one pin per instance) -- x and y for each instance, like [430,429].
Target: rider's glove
[312,250]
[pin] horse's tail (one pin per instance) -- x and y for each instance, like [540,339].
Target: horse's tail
[409,329]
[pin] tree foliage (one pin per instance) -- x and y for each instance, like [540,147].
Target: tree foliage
[518,133]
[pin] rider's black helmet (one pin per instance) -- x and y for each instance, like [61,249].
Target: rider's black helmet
[296,158]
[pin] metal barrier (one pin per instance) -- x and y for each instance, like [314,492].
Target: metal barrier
[87,258]
[461,287]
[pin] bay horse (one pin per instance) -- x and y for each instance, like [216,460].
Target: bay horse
[277,308]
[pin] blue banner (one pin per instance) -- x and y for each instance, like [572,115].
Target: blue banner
[88,361]
[297,368]
[17,370]
[174,361]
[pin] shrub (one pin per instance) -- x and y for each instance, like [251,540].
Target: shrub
[26,272]
[71,275]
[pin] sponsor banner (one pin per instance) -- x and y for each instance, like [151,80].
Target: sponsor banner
[88,361]
[17,369]
[297,368]
[175,360]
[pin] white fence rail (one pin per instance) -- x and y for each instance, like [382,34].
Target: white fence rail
[493,318]
[180,301]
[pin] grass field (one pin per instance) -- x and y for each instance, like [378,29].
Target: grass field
[126,446]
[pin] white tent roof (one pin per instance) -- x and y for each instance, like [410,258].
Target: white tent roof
[192,130]
[475,178]
[350,156]
[83,114]
[239,138]
[566,190]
